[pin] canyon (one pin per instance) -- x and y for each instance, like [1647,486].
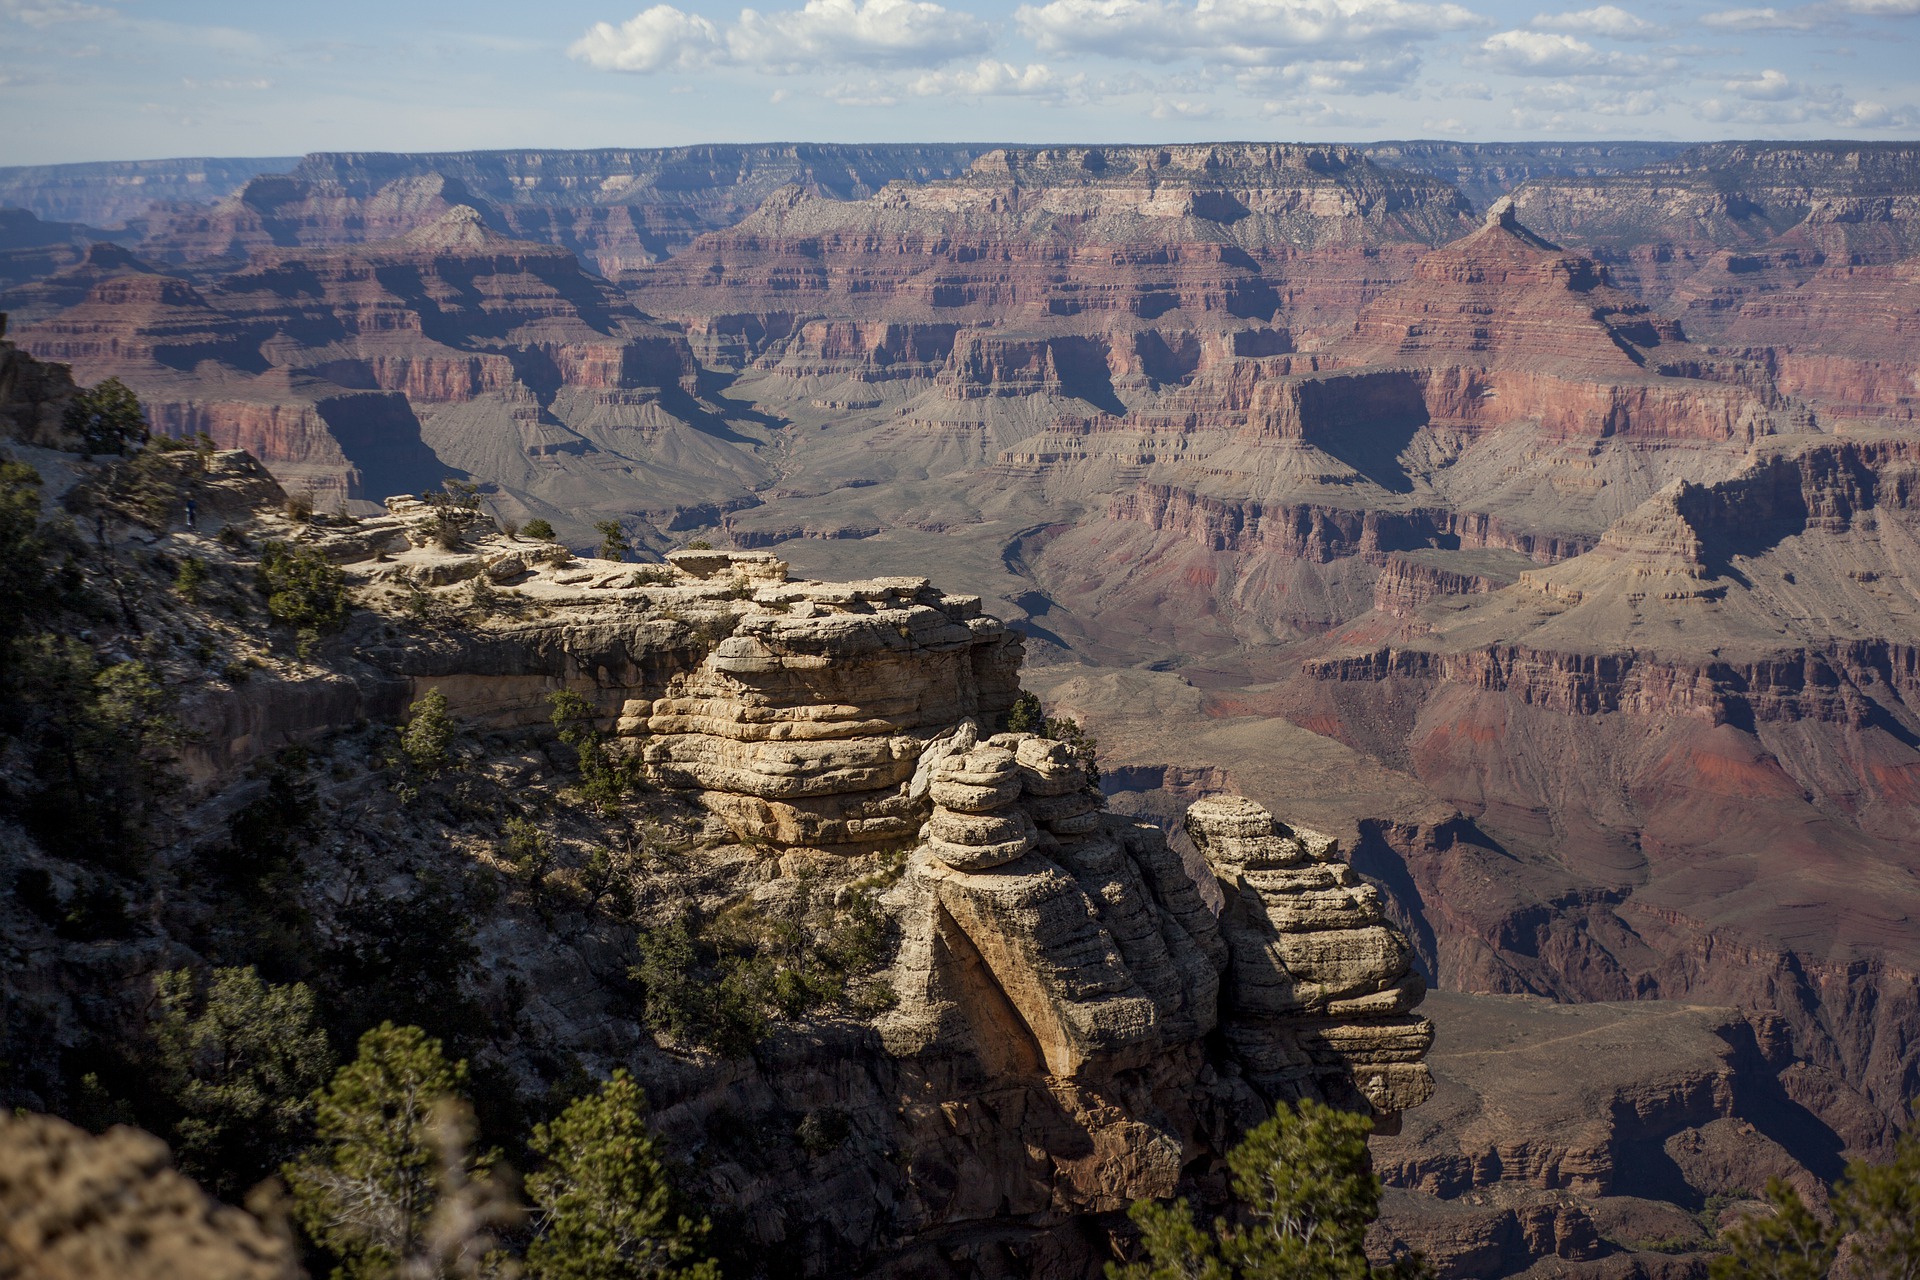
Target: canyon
[1534,521]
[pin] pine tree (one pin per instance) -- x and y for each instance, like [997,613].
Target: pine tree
[1786,1243]
[613,540]
[604,1202]
[368,1191]
[428,737]
[1878,1210]
[107,417]
[1305,1194]
[241,1071]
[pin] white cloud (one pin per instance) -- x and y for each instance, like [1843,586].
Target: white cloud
[1353,75]
[1241,32]
[225,86]
[1541,53]
[1174,109]
[822,35]
[45,13]
[994,79]
[1605,20]
[1759,20]
[1773,98]
[1882,8]
[1768,86]
[651,40]
[1322,115]
[874,93]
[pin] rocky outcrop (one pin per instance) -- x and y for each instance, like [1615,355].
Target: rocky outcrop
[33,394]
[804,724]
[78,1207]
[1320,990]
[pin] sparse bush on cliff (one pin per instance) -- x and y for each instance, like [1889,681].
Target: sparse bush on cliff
[99,737]
[191,578]
[303,588]
[614,544]
[107,418]
[605,781]
[407,958]
[722,982]
[427,740]
[239,1064]
[604,1207]
[1304,1195]
[1874,1230]
[1028,716]
[368,1190]
[538,529]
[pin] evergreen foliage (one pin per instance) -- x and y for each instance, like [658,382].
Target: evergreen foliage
[1874,1230]
[1026,715]
[107,417]
[240,1064]
[538,529]
[614,544]
[427,740]
[604,1203]
[1787,1242]
[605,780]
[368,1190]
[1305,1193]
[303,588]
[721,983]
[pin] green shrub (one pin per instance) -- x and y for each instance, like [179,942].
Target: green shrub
[538,529]
[427,739]
[723,982]
[368,1190]
[303,588]
[604,1204]
[1305,1192]
[239,1063]
[107,417]
[192,576]
[605,780]
[99,739]
[614,544]
[1026,715]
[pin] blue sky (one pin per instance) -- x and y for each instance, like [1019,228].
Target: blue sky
[112,79]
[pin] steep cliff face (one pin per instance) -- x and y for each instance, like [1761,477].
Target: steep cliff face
[1061,984]
[33,394]
[615,209]
[1728,220]
[339,370]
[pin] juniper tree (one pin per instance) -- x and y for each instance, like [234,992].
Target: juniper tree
[368,1190]
[239,1063]
[604,1204]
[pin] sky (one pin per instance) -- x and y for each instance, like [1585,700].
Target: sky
[137,79]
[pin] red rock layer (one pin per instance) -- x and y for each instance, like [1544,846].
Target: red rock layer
[314,361]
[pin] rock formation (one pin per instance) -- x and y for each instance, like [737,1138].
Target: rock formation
[77,1207]
[338,369]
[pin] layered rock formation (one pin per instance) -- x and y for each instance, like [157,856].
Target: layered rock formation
[1609,1139]
[116,193]
[452,349]
[1073,1028]
[615,208]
